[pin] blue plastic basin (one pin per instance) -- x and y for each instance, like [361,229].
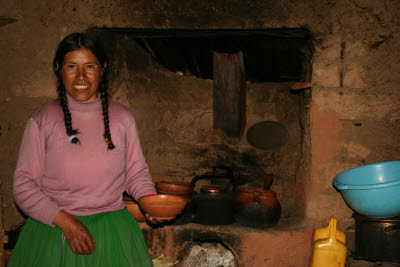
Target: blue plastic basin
[372,190]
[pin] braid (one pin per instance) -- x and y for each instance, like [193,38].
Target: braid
[104,102]
[67,116]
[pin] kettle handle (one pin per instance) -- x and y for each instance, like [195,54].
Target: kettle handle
[229,173]
[212,175]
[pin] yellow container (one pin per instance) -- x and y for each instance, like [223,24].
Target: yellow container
[329,247]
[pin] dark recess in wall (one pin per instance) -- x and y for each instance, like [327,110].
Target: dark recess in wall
[270,55]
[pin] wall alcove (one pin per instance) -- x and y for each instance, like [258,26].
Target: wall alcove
[167,76]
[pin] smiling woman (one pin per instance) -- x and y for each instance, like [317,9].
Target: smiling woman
[71,182]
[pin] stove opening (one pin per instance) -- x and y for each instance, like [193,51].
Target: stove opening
[210,253]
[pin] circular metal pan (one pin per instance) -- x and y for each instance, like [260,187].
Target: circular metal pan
[267,135]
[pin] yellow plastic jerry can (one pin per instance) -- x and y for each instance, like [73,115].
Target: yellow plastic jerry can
[329,247]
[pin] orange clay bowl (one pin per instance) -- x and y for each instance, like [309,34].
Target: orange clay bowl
[162,206]
[178,188]
[134,210]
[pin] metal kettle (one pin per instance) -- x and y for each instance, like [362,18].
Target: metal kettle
[213,204]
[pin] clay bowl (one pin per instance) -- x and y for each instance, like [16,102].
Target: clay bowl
[134,210]
[162,206]
[178,188]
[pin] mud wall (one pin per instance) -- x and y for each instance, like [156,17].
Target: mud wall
[352,119]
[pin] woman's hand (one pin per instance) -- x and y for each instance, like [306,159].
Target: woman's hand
[77,235]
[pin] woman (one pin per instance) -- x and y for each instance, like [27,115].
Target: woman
[78,155]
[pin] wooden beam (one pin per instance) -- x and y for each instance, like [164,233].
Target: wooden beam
[300,86]
[229,93]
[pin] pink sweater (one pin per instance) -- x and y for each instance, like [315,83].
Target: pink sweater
[85,178]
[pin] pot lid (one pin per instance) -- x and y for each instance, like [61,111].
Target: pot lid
[267,135]
[359,217]
[259,190]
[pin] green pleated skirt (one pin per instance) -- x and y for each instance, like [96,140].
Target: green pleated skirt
[118,242]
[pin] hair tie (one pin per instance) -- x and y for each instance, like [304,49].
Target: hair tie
[70,138]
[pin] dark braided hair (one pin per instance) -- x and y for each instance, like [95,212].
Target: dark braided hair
[104,103]
[67,116]
[71,43]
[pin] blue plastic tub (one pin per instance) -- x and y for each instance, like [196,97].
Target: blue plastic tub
[372,190]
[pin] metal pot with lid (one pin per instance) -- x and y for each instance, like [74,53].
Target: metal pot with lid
[213,204]
[377,239]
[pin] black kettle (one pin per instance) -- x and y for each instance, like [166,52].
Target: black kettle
[213,204]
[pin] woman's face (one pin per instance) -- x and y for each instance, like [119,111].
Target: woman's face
[81,73]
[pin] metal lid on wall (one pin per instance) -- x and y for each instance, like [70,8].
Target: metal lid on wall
[267,135]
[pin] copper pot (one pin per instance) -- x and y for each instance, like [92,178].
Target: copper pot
[257,207]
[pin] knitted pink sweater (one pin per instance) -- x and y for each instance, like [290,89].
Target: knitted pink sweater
[85,178]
